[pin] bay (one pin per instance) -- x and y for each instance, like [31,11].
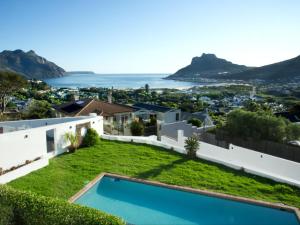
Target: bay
[118,81]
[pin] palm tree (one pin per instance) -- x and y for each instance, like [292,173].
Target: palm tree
[191,146]
[74,141]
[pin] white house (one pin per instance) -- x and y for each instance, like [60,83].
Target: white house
[26,145]
[161,113]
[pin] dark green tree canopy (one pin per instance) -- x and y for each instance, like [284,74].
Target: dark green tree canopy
[39,110]
[9,83]
[260,125]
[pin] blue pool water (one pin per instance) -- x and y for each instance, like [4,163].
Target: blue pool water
[139,203]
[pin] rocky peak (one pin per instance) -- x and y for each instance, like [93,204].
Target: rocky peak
[29,64]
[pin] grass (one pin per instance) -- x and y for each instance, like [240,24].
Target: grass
[68,173]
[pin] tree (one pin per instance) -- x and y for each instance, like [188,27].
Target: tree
[39,110]
[195,122]
[191,146]
[9,83]
[137,128]
[259,126]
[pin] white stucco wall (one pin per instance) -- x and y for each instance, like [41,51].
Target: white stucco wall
[251,161]
[18,146]
[24,170]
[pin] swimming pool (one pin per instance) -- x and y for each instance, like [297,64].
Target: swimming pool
[151,203]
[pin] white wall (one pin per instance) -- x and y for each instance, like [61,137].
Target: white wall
[251,161]
[18,146]
[24,170]
[179,142]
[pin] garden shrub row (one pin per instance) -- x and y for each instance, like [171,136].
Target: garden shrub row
[25,208]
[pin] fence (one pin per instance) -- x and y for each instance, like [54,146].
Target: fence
[272,148]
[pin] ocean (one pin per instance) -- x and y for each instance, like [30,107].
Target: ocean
[118,81]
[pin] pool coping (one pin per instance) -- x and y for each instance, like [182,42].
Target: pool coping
[279,206]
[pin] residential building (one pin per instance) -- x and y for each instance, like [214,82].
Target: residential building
[116,116]
[203,116]
[27,145]
[163,114]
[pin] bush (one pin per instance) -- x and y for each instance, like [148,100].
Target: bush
[191,146]
[91,138]
[24,208]
[195,122]
[137,128]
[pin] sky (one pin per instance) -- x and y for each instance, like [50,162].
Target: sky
[150,36]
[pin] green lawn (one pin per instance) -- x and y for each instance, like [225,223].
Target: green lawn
[68,173]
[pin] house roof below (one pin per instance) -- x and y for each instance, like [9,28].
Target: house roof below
[151,107]
[87,106]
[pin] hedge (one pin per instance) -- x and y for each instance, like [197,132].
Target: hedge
[25,208]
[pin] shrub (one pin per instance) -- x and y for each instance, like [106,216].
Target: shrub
[191,146]
[195,122]
[74,141]
[19,207]
[91,138]
[137,128]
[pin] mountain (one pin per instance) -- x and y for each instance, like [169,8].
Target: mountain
[29,64]
[281,71]
[208,66]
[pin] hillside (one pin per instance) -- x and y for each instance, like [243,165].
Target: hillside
[29,64]
[208,66]
[281,71]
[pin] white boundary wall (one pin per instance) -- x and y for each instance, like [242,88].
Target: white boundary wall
[24,170]
[18,146]
[253,162]
[236,157]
